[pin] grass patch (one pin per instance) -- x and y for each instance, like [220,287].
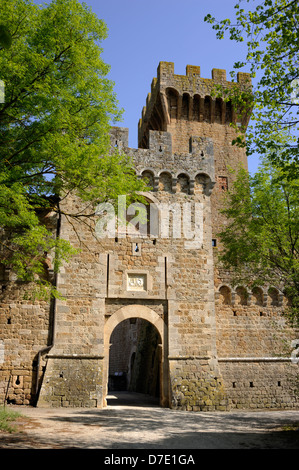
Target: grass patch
[6,418]
[291,427]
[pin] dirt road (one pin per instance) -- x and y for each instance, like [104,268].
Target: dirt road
[129,422]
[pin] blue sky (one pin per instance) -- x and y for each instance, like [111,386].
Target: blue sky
[143,33]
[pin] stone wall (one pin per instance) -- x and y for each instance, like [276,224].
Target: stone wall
[171,269]
[260,383]
[26,327]
[24,331]
[72,381]
[254,345]
[197,384]
[219,347]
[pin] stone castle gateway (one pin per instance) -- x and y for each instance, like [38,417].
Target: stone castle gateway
[152,312]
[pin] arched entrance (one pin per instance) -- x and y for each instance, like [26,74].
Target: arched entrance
[135,361]
[118,319]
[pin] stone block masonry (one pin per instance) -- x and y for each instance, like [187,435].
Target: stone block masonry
[210,346]
[72,381]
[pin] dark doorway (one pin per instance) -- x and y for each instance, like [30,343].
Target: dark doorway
[134,360]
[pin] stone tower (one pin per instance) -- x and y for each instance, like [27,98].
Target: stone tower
[216,343]
[186,106]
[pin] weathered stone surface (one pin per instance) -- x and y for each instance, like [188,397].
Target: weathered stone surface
[213,347]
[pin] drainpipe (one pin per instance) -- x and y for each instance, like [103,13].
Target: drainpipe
[52,318]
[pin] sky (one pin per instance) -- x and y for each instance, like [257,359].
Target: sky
[143,33]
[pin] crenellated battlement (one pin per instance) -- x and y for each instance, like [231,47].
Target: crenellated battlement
[191,98]
[156,161]
[165,74]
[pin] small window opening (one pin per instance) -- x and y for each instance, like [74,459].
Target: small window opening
[116,144]
[223,182]
[18,380]
[116,239]
[9,321]
[235,313]
[214,242]
[234,384]
[160,149]
[136,249]
[251,384]
[261,314]
[154,242]
[202,153]
[279,383]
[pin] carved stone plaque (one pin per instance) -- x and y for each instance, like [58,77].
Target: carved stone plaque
[136,282]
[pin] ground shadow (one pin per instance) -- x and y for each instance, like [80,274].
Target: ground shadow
[153,427]
[124,398]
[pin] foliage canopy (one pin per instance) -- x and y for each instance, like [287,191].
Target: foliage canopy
[271,31]
[261,239]
[54,125]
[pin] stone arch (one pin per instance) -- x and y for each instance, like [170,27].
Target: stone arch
[241,297]
[185,106]
[201,182]
[196,108]
[228,112]
[172,100]
[149,176]
[145,313]
[134,311]
[153,214]
[273,297]
[183,183]
[218,110]
[258,296]
[225,295]
[207,109]
[165,181]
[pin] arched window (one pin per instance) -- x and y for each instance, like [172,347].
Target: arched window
[200,183]
[149,177]
[273,296]
[142,219]
[165,182]
[196,108]
[207,109]
[228,112]
[185,107]
[257,296]
[241,296]
[225,297]
[183,183]
[172,99]
[218,110]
